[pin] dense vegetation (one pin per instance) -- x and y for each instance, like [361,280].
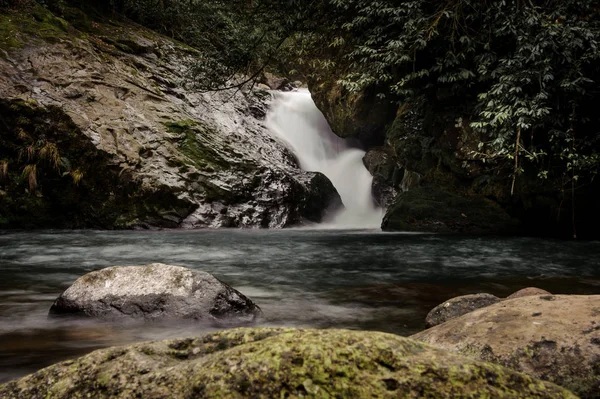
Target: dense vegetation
[525,74]
[528,71]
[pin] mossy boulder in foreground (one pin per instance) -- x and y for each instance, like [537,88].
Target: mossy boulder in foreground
[279,363]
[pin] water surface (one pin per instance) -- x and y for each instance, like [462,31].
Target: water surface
[310,278]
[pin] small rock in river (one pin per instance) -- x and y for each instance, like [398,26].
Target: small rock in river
[457,307]
[529,291]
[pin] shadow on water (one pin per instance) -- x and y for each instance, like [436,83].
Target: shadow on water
[308,278]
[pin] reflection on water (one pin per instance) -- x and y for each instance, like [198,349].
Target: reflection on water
[310,278]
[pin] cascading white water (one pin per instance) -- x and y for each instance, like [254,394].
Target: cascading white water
[296,120]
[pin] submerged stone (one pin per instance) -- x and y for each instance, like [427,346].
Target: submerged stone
[279,363]
[154,292]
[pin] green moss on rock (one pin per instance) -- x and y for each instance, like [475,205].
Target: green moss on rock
[194,138]
[281,363]
[19,27]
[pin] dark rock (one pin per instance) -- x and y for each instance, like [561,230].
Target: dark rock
[556,344]
[276,82]
[408,136]
[529,291]
[154,292]
[321,195]
[457,307]
[410,180]
[380,163]
[360,116]
[430,209]
[273,363]
[382,166]
[382,192]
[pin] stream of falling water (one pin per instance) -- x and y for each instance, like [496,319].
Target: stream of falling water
[295,119]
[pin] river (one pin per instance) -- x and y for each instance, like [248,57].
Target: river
[311,278]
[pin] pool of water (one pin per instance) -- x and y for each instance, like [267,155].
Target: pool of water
[310,278]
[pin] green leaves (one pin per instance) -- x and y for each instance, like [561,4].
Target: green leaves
[528,64]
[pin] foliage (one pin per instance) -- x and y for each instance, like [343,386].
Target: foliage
[236,39]
[31,151]
[530,68]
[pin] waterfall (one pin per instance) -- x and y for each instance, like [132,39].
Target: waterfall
[297,122]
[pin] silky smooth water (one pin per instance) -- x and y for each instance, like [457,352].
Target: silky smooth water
[297,122]
[323,279]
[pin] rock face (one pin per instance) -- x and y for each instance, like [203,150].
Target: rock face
[273,363]
[154,292]
[357,116]
[554,338]
[457,307]
[387,175]
[430,209]
[132,143]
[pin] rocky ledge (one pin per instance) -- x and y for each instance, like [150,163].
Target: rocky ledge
[154,292]
[269,363]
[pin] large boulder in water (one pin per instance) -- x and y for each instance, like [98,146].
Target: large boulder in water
[154,292]
[554,338]
[274,363]
[431,209]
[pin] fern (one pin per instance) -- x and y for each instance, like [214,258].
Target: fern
[3,169]
[30,174]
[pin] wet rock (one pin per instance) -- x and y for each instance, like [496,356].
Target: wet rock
[430,209]
[410,180]
[270,363]
[276,82]
[360,116]
[554,340]
[529,291]
[321,195]
[382,192]
[380,163]
[382,166]
[457,307]
[154,292]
